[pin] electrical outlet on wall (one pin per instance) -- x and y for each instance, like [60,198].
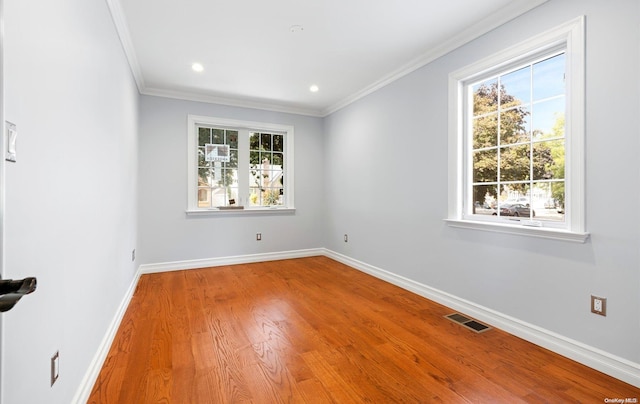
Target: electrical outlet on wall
[55,367]
[599,305]
[11,137]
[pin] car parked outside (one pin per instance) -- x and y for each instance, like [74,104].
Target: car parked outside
[515,209]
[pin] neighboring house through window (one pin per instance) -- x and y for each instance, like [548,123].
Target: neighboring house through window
[239,164]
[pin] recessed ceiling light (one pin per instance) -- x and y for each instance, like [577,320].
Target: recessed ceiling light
[197,67]
[296,28]
[314,88]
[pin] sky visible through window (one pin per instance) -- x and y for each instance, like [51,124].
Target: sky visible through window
[548,81]
[517,139]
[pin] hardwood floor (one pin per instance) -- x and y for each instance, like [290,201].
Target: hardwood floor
[312,330]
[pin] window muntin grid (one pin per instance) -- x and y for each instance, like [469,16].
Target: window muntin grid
[219,161]
[517,141]
[217,180]
[266,173]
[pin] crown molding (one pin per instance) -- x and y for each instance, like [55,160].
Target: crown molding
[122,28]
[508,13]
[490,23]
[127,44]
[234,102]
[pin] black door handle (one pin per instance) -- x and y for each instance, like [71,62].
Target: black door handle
[11,291]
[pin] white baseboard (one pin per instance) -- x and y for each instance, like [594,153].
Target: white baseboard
[84,390]
[595,358]
[233,260]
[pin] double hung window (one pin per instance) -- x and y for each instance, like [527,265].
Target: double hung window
[239,164]
[517,138]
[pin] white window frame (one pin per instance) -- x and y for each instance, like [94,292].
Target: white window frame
[243,128]
[570,35]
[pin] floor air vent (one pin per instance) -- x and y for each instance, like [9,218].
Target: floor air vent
[468,322]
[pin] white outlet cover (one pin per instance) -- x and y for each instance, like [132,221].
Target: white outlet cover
[597,304]
[11,138]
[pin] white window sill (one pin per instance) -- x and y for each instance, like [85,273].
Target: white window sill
[541,232]
[239,212]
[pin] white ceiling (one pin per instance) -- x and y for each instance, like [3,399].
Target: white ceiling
[348,48]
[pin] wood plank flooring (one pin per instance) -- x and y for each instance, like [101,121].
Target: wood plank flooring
[313,330]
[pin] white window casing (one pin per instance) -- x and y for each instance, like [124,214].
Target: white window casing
[244,129]
[571,37]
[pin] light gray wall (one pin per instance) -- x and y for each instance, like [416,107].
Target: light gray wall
[393,145]
[167,234]
[71,211]
[376,170]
